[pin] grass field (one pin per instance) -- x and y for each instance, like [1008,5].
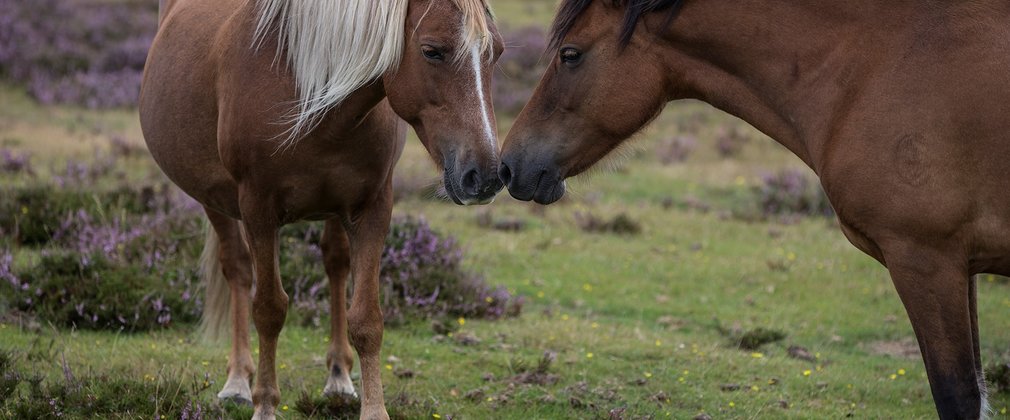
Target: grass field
[644,325]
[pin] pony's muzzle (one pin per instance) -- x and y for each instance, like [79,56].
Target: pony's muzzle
[475,186]
[544,186]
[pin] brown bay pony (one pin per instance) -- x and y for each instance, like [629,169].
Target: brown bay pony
[901,107]
[273,111]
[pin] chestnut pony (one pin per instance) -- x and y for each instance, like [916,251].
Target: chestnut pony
[273,111]
[901,107]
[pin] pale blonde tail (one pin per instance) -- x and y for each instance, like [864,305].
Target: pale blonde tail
[216,319]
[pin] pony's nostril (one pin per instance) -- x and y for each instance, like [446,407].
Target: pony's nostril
[471,182]
[505,174]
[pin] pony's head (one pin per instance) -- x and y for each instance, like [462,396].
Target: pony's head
[605,81]
[432,58]
[442,87]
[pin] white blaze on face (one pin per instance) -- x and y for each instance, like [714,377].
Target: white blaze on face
[485,112]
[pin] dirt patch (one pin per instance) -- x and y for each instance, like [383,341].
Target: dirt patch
[622,224]
[538,375]
[755,338]
[905,348]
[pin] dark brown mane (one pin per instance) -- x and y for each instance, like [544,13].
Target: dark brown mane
[570,11]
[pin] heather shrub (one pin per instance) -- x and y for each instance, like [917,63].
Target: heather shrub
[89,53]
[791,192]
[729,142]
[12,162]
[31,215]
[422,277]
[128,271]
[91,292]
[675,150]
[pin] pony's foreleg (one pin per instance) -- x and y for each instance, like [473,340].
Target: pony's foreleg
[935,288]
[270,303]
[339,359]
[235,265]
[367,237]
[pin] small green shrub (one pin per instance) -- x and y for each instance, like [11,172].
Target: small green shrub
[91,292]
[32,215]
[753,339]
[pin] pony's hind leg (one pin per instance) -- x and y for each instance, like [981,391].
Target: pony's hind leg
[236,267]
[367,237]
[339,359]
[935,291]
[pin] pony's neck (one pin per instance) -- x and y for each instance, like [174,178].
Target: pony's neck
[342,120]
[789,68]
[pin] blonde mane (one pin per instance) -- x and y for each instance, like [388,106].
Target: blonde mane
[335,47]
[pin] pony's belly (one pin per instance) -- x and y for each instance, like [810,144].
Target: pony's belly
[208,184]
[340,190]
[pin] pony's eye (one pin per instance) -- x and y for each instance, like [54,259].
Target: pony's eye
[432,53]
[570,56]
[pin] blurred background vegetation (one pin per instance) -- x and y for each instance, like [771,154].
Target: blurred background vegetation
[699,271]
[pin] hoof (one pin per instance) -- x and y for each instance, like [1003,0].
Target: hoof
[264,413]
[376,413]
[236,391]
[339,386]
[235,399]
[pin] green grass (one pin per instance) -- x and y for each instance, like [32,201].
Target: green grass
[637,322]
[651,307]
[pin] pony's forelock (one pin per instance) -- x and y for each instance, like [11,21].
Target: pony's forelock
[476,29]
[315,38]
[570,10]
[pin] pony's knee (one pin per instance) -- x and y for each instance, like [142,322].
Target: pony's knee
[365,329]
[269,312]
